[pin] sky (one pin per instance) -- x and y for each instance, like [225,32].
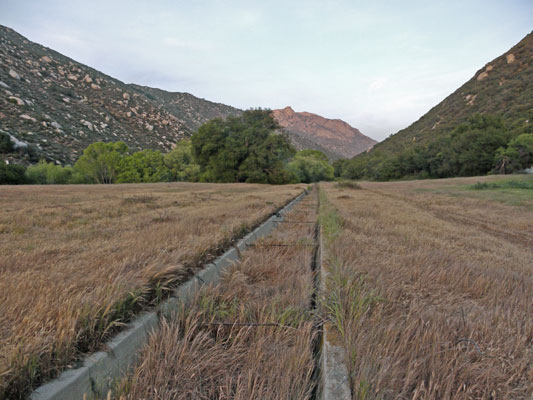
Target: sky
[378,65]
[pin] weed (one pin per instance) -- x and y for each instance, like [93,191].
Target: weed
[512,184]
[348,185]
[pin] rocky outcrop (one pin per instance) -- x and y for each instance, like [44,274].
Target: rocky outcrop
[59,106]
[333,136]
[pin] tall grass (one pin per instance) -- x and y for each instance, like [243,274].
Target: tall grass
[429,309]
[77,262]
[249,337]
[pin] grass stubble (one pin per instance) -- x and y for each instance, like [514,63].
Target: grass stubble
[249,337]
[429,308]
[77,262]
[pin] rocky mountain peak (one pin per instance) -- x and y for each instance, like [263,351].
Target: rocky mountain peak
[333,136]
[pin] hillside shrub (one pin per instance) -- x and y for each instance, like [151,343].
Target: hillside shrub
[309,166]
[467,150]
[6,145]
[48,173]
[12,174]
[517,156]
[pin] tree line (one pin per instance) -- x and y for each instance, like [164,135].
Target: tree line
[247,148]
[479,146]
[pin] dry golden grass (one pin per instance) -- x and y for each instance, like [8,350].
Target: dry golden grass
[493,211]
[249,337]
[77,261]
[433,293]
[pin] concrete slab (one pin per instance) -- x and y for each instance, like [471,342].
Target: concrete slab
[335,382]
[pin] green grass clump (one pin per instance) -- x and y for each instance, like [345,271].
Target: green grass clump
[513,184]
[348,185]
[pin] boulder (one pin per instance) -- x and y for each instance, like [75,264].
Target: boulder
[87,124]
[14,74]
[16,100]
[26,117]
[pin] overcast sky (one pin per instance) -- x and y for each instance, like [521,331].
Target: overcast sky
[379,65]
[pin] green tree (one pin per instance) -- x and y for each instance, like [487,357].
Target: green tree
[6,145]
[181,164]
[48,173]
[12,174]
[143,166]
[339,166]
[101,162]
[317,154]
[242,149]
[310,169]
[518,155]
[466,150]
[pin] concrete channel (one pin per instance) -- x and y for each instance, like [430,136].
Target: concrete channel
[334,379]
[98,371]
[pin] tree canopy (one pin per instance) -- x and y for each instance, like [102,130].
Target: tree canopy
[242,149]
[310,166]
[475,147]
[101,162]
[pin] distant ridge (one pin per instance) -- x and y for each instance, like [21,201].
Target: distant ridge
[58,106]
[334,137]
[503,86]
[61,106]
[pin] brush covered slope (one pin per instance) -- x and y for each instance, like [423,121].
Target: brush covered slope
[57,106]
[503,87]
[334,137]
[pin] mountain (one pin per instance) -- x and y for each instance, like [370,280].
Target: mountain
[504,86]
[53,107]
[59,106]
[334,137]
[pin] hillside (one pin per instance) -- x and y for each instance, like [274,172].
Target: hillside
[334,137]
[504,86]
[61,106]
[53,107]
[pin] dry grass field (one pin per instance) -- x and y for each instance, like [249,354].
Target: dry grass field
[432,287]
[249,337]
[78,261]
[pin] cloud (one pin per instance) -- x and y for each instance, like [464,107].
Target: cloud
[377,84]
